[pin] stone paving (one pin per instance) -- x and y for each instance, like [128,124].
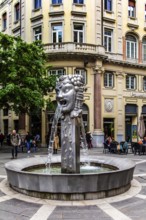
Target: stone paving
[128,206]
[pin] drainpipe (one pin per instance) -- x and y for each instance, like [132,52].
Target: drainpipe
[20,17]
[102,22]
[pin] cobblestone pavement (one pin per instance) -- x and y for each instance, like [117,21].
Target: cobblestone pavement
[128,206]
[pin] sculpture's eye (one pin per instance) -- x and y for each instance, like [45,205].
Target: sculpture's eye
[66,90]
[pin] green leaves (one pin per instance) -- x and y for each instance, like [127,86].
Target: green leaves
[23,75]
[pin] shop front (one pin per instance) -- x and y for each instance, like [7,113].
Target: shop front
[131,122]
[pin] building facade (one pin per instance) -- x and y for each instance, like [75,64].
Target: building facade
[105,41]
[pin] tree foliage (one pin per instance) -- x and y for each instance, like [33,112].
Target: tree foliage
[24,79]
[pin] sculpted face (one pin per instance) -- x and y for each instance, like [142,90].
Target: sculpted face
[66,96]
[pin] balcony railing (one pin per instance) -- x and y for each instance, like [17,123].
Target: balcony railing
[132,60]
[70,47]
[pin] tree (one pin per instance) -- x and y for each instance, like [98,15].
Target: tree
[24,80]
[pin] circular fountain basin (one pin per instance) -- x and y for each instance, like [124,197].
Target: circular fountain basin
[81,186]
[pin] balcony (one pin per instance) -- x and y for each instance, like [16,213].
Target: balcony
[70,49]
[56,10]
[132,60]
[79,9]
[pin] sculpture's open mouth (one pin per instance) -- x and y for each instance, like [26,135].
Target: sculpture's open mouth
[63,102]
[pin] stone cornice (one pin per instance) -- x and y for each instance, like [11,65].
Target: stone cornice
[125,63]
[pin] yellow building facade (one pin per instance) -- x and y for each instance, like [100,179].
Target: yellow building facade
[105,41]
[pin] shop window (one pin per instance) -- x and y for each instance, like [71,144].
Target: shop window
[56,2]
[131,109]
[108,5]
[37,33]
[78,33]
[131,47]
[131,8]
[130,82]
[83,73]
[37,4]
[78,1]
[108,80]
[17,11]
[57,72]
[57,33]
[108,35]
[4,21]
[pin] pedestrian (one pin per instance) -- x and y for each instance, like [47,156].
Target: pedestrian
[37,139]
[89,139]
[15,142]
[1,138]
[28,140]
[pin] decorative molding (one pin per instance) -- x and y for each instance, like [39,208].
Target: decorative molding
[108,105]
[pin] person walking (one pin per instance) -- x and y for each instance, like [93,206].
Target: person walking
[1,138]
[28,140]
[15,142]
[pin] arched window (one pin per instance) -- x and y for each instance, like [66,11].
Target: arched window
[144,49]
[131,47]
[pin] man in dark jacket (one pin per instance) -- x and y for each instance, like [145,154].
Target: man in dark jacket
[15,142]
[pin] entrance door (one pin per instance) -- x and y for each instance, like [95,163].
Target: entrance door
[128,127]
[108,126]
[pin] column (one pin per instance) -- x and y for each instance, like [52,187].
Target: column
[98,134]
[119,126]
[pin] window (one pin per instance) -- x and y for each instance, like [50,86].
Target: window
[37,4]
[108,39]
[17,12]
[131,8]
[83,73]
[55,2]
[130,82]
[78,33]
[4,20]
[5,112]
[144,49]
[78,1]
[38,33]
[144,83]
[57,33]
[57,72]
[131,47]
[108,79]
[108,5]
[145,13]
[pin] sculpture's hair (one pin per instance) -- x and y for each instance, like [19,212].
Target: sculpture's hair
[78,83]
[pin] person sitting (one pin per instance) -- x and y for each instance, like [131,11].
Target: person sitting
[108,141]
[125,147]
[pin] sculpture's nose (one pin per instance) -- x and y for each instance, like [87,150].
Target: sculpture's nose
[59,95]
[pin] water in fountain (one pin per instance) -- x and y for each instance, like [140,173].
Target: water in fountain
[84,146]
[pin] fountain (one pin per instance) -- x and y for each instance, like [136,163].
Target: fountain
[80,177]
